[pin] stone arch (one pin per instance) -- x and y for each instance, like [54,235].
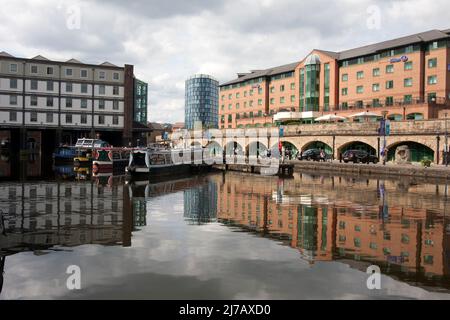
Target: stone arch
[287,145]
[317,144]
[214,148]
[255,147]
[234,147]
[415,116]
[357,145]
[395,117]
[419,151]
[196,144]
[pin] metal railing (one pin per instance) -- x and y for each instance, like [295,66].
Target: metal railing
[365,104]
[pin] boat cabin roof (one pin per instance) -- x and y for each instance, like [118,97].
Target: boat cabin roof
[90,143]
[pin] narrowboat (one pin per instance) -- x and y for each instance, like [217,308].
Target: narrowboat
[156,163]
[84,148]
[110,160]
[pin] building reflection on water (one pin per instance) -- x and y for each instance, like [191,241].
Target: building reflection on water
[401,227]
[200,203]
[53,216]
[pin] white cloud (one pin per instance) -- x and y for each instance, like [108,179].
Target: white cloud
[168,41]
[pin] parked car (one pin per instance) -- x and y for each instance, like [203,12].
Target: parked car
[313,154]
[358,156]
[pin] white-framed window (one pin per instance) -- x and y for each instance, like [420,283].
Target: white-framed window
[33,116]
[49,101]
[34,84]
[34,69]
[116,76]
[83,73]
[115,90]
[375,87]
[101,89]
[69,87]
[69,72]
[84,103]
[13,100]
[432,79]
[50,86]
[115,120]
[49,117]
[84,88]
[33,101]
[13,67]
[49,70]
[68,118]
[101,119]
[102,75]
[115,105]
[408,82]
[68,102]
[83,118]
[13,116]
[101,104]
[13,83]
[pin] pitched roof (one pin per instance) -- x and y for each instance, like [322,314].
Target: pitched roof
[262,73]
[334,55]
[74,61]
[108,64]
[5,54]
[426,36]
[39,57]
[421,37]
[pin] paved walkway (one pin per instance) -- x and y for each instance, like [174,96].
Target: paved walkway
[414,169]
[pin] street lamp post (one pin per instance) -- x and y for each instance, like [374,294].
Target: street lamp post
[384,138]
[446,142]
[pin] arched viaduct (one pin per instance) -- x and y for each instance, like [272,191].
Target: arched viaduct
[427,136]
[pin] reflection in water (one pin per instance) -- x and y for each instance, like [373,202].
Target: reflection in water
[401,226]
[357,222]
[46,216]
[200,203]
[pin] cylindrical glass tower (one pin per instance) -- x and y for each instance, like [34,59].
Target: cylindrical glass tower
[201,101]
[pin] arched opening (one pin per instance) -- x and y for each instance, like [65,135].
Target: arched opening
[255,149]
[214,149]
[287,146]
[196,144]
[233,148]
[358,145]
[414,116]
[417,151]
[395,117]
[318,145]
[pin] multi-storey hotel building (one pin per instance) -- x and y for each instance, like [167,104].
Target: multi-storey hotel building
[70,99]
[405,78]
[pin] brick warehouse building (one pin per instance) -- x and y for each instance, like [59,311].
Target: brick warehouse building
[58,102]
[405,78]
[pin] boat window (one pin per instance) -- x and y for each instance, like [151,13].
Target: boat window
[139,159]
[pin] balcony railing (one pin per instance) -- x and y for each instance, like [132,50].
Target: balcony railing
[364,104]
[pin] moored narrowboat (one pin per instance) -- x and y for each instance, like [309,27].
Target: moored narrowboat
[84,148]
[110,160]
[157,163]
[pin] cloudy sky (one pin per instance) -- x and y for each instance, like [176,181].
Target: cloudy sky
[168,41]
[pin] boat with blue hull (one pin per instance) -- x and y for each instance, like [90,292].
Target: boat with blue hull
[64,154]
